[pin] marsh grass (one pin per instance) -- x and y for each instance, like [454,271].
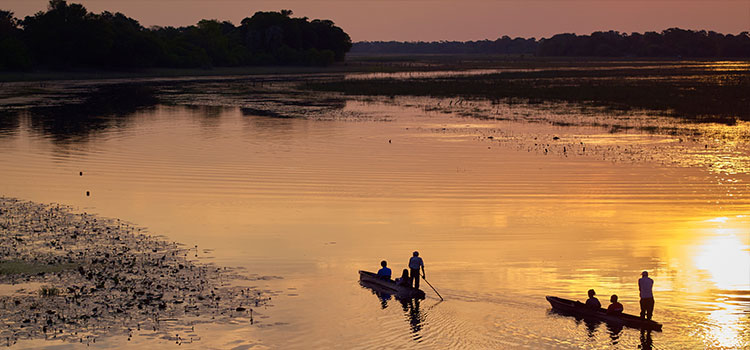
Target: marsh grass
[691,93]
[47,291]
[15,267]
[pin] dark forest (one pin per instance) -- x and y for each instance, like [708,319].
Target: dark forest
[673,43]
[68,36]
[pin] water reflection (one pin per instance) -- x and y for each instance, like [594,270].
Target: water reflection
[413,314]
[106,107]
[591,325]
[614,332]
[429,74]
[726,327]
[9,122]
[383,296]
[726,259]
[646,341]
[208,116]
[410,306]
[505,226]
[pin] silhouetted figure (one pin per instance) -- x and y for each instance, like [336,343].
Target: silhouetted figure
[645,286]
[411,308]
[383,297]
[646,341]
[415,262]
[591,326]
[384,272]
[614,332]
[404,280]
[592,301]
[614,307]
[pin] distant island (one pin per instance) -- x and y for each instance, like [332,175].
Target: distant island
[68,36]
[673,42]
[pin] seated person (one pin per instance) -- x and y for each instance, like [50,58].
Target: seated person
[404,280]
[384,272]
[592,301]
[615,307]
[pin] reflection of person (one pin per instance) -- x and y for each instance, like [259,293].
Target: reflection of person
[645,286]
[592,301]
[411,308]
[404,280]
[384,297]
[646,341]
[384,272]
[615,307]
[415,262]
[615,329]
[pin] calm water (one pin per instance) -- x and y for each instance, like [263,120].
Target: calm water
[500,222]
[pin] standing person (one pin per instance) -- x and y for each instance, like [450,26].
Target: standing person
[384,272]
[645,286]
[415,262]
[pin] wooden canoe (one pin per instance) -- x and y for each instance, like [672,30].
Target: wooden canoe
[388,286]
[579,309]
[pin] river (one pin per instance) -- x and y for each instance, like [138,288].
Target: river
[503,210]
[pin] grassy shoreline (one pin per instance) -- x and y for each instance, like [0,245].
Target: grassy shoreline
[19,267]
[355,63]
[696,93]
[102,277]
[92,74]
[701,91]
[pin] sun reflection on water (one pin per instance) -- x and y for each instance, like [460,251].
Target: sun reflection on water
[725,328]
[725,256]
[727,260]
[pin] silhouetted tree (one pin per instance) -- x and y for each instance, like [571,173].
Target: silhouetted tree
[13,51]
[504,45]
[294,40]
[673,42]
[68,36]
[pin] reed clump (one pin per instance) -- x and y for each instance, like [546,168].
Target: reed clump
[47,291]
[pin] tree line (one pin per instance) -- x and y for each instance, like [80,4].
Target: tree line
[68,36]
[504,45]
[673,42]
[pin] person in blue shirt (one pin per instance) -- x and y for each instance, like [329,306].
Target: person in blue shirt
[384,272]
[415,262]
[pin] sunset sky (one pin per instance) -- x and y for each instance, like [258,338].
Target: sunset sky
[430,20]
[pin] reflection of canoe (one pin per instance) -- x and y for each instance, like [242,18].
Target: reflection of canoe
[577,308]
[388,286]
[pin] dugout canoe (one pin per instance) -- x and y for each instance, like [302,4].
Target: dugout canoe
[372,280]
[579,309]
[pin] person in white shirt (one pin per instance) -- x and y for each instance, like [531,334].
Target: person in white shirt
[415,262]
[645,286]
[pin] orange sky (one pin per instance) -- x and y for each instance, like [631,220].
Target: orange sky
[442,19]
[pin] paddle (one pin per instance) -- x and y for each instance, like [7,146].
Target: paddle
[433,288]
